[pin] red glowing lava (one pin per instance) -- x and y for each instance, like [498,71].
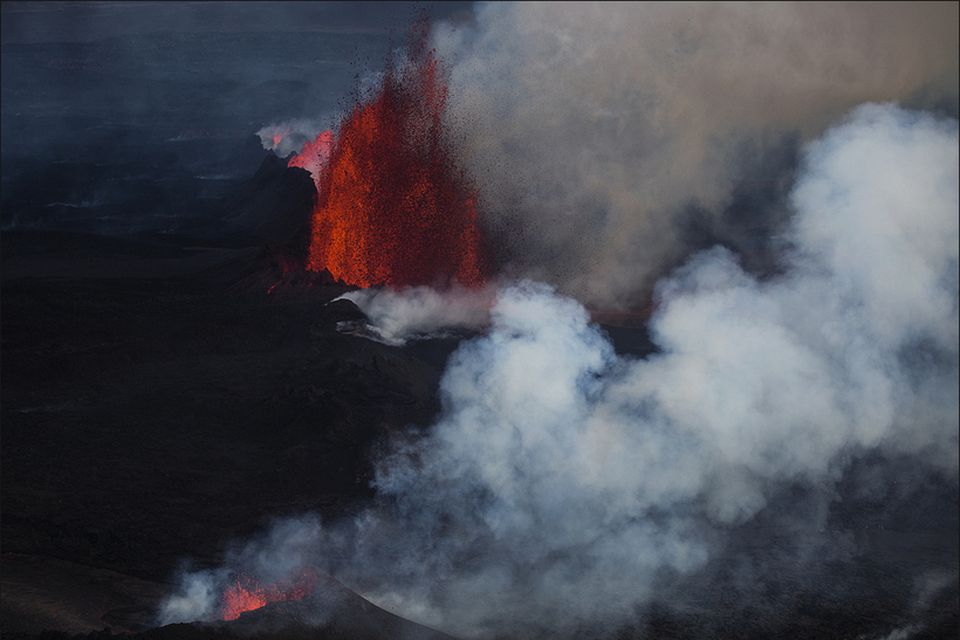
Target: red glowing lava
[392,205]
[246,594]
[314,155]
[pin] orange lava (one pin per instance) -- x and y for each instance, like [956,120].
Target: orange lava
[393,207]
[314,155]
[246,594]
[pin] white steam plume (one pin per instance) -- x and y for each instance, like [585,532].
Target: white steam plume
[399,315]
[591,129]
[563,484]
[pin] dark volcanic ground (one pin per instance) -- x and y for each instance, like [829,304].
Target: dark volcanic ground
[147,418]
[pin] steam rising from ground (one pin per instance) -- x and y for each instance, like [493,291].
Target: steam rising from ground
[593,129]
[563,484]
[421,312]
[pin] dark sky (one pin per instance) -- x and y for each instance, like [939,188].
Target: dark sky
[31,22]
[135,111]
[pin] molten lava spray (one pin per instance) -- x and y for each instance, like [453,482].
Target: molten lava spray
[247,594]
[392,206]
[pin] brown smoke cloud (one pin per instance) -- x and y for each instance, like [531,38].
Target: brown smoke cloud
[591,128]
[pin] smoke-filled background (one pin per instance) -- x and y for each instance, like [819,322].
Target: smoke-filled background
[606,140]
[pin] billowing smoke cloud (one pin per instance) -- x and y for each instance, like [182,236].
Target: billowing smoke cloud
[398,315]
[593,130]
[564,486]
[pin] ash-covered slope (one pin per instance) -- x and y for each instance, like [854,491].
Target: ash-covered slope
[274,204]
